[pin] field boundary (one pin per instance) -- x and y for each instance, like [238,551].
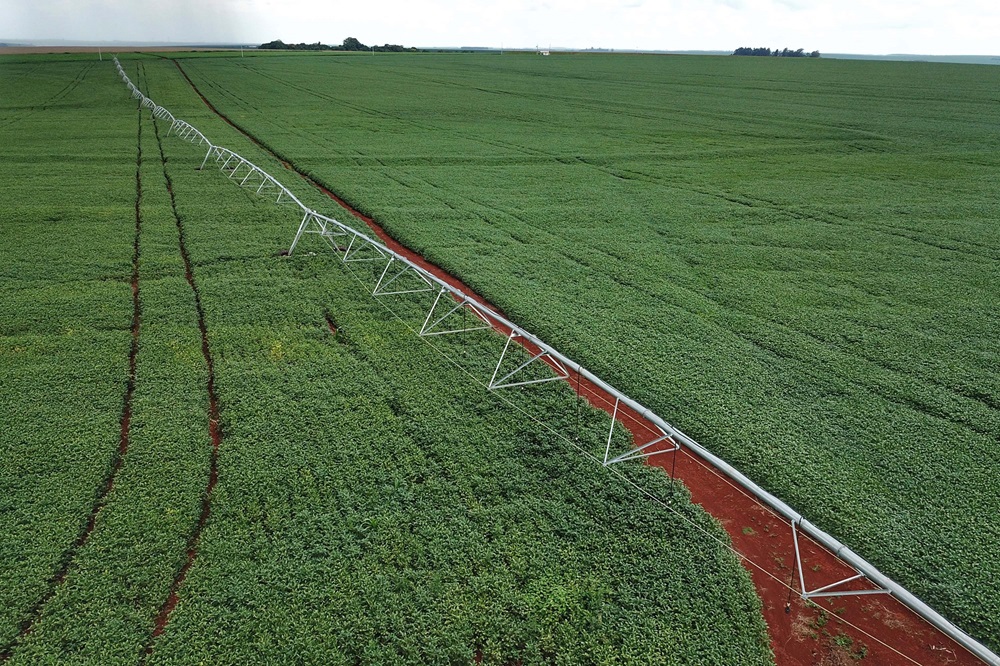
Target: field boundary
[421,276]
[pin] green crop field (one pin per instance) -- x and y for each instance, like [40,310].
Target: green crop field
[367,503]
[796,262]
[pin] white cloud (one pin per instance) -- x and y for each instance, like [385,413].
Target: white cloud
[887,26]
[126,20]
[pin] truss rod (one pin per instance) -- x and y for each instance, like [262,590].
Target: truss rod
[638,452]
[381,286]
[495,383]
[428,328]
[825,590]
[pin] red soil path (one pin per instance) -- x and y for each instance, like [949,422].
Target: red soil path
[831,631]
[877,629]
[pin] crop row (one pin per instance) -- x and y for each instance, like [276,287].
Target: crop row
[68,226]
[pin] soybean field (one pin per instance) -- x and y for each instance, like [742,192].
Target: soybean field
[796,262]
[215,453]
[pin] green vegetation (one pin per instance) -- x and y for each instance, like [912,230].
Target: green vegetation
[85,148]
[65,261]
[794,261]
[777,53]
[349,44]
[373,505]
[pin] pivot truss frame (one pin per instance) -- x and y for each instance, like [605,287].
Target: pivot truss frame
[397,268]
[827,590]
[361,247]
[245,173]
[427,329]
[507,380]
[639,452]
[183,129]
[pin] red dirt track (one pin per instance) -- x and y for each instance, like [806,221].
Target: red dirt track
[214,423]
[869,629]
[884,631]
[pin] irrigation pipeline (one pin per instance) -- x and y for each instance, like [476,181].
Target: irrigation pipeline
[329,227]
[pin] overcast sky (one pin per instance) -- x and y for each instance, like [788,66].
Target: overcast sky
[967,27]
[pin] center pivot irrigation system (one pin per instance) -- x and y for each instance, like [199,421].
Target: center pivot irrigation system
[401,276]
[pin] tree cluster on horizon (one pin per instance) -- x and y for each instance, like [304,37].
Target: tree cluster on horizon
[349,44]
[783,53]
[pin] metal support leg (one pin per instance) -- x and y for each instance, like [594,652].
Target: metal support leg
[205,161]
[826,590]
[499,383]
[298,234]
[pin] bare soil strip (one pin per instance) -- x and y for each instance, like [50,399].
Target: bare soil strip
[215,431]
[28,624]
[835,630]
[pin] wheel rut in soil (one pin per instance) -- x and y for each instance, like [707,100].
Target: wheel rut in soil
[214,425]
[108,483]
[879,629]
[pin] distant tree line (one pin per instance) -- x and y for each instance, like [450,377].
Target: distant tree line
[349,44]
[783,53]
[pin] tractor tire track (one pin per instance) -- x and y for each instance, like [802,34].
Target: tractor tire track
[214,428]
[54,99]
[107,484]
